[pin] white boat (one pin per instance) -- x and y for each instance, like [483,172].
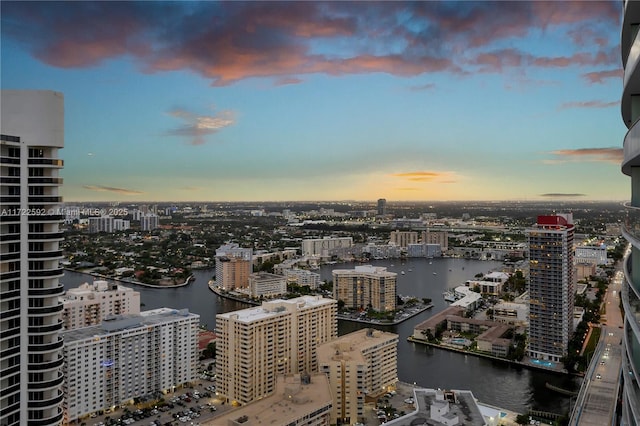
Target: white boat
[450,296]
[402,272]
[435,273]
[410,270]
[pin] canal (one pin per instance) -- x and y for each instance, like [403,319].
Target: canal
[492,382]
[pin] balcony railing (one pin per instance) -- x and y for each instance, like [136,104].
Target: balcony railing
[46,310]
[46,273]
[45,180]
[46,161]
[46,235]
[49,291]
[631,149]
[8,180]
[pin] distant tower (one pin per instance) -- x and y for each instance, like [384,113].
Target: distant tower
[382,207]
[551,287]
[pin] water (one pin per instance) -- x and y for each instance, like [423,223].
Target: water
[492,382]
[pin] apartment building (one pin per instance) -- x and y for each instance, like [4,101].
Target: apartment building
[366,287]
[257,344]
[149,222]
[263,284]
[127,357]
[90,304]
[302,277]
[436,237]
[359,365]
[320,246]
[233,267]
[551,286]
[32,134]
[403,238]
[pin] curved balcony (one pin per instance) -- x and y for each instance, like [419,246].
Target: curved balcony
[9,275]
[10,313]
[47,273]
[45,181]
[10,180]
[46,402]
[9,390]
[46,217]
[9,352]
[44,199]
[46,384]
[46,235]
[10,294]
[46,310]
[9,160]
[9,237]
[46,365]
[10,256]
[9,199]
[45,329]
[45,254]
[9,218]
[10,371]
[631,79]
[49,291]
[631,149]
[630,383]
[10,332]
[54,162]
[46,347]
[53,420]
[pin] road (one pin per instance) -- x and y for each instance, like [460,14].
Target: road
[596,402]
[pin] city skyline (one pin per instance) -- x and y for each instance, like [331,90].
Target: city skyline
[256,101]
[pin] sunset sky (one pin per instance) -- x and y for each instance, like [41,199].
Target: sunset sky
[251,101]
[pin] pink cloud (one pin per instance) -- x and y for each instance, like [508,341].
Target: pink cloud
[588,104]
[230,41]
[602,155]
[600,76]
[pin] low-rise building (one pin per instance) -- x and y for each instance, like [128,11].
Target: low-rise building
[263,284]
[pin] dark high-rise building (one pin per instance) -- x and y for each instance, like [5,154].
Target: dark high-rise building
[32,128]
[382,207]
[551,286]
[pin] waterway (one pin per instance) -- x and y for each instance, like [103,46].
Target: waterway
[492,382]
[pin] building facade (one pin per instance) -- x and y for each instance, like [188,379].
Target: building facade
[366,287]
[233,266]
[90,304]
[280,337]
[436,237]
[263,284]
[127,357]
[321,246]
[382,207]
[403,238]
[359,365]
[630,46]
[32,133]
[551,286]
[302,277]
[149,222]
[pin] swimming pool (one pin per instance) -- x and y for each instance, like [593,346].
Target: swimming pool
[543,363]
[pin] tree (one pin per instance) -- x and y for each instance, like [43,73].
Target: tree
[522,419]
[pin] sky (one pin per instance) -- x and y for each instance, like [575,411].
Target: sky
[303,100]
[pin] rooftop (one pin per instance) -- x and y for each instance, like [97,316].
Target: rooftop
[128,322]
[351,346]
[276,307]
[461,404]
[292,400]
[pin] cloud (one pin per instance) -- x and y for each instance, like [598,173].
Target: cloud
[424,176]
[600,76]
[561,195]
[196,127]
[100,188]
[226,42]
[422,87]
[601,155]
[287,80]
[588,104]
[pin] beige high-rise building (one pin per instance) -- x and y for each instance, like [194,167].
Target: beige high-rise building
[280,337]
[403,238]
[90,304]
[366,287]
[359,365]
[436,237]
[233,266]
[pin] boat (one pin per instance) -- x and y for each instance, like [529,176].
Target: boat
[450,296]
[410,270]
[435,273]
[432,263]
[402,272]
